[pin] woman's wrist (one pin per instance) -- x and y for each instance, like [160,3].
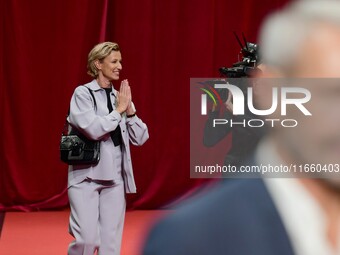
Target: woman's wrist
[130,115]
[120,110]
[130,111]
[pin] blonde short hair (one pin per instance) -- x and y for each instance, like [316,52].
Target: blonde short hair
[284,33]
[99,52]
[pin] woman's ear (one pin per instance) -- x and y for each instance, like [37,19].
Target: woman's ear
[97,64]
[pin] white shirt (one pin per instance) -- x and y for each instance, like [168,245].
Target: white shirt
[302,216]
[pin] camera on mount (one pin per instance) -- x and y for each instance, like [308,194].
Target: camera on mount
[247,67]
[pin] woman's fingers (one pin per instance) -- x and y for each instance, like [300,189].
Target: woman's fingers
[124,87]
[121,88]
[128,90]
[124,96]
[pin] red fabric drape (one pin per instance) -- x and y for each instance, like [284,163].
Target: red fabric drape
[44,47]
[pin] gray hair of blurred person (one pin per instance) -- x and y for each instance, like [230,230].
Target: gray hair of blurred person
[284,32]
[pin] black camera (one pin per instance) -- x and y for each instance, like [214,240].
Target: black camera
[247,67]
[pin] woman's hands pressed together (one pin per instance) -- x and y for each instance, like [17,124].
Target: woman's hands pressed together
[124,97]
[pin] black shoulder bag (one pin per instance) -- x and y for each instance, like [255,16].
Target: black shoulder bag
[76,148]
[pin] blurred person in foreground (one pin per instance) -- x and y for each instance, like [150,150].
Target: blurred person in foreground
[97,192]
[281,216]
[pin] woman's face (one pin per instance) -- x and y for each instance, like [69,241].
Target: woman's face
[110,67]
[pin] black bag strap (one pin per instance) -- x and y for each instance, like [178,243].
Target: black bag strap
[94,99]
[65,130]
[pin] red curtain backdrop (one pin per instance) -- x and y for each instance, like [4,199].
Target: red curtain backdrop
[44,47]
